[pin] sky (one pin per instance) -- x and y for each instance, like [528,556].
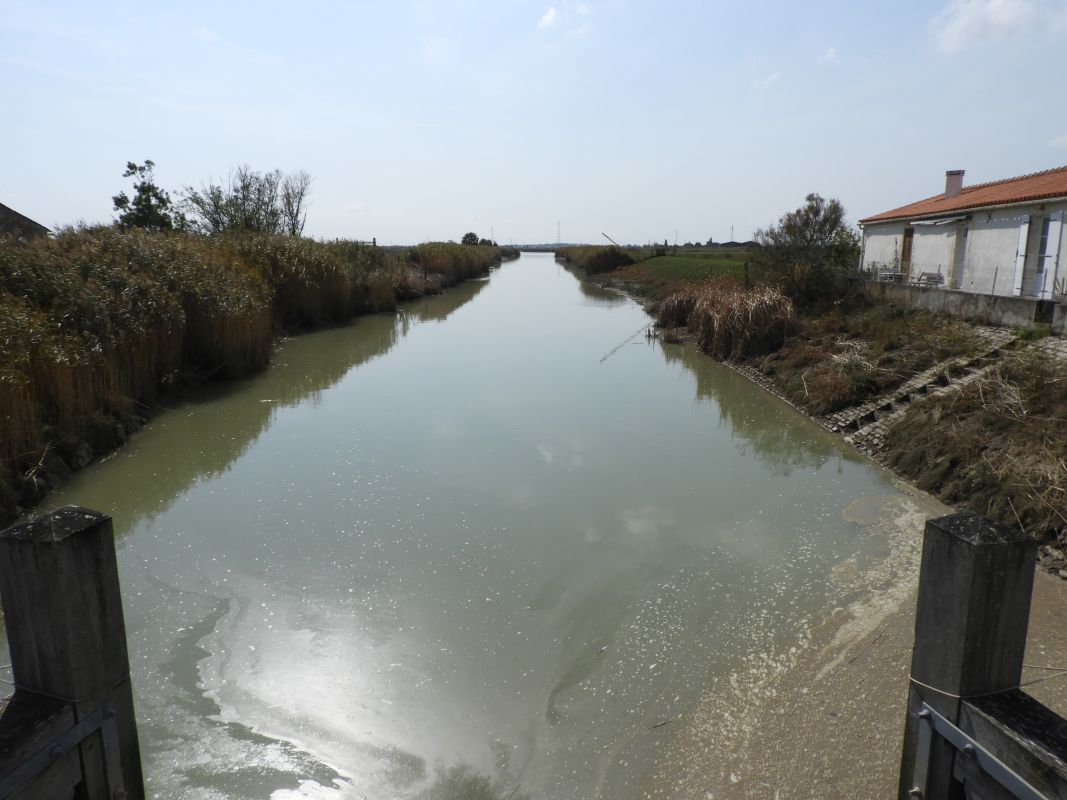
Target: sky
[424,120]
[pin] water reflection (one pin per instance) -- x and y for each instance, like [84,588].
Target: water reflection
[599,296]
[768,430]
[203,435]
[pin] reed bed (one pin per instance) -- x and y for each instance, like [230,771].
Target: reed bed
[455,262]
[95,321]
[729,320]
[595,259]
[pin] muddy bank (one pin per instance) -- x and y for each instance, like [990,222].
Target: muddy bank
[823,716]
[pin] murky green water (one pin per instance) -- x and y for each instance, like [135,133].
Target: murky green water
[487,545]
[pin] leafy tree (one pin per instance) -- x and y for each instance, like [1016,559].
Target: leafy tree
[469,238]
[810,251]
[150,206]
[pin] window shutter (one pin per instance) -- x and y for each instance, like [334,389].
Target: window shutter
[1052,254]
[1020,254]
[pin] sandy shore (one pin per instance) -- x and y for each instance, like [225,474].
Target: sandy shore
[823,718]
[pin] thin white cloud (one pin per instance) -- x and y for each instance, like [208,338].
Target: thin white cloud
[1059,141]
[567,17]
[966,23]
[828,56]
[770,79]
[358,208]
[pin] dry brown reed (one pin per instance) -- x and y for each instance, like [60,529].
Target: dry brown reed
[999,448]
[729,320]
[455,262]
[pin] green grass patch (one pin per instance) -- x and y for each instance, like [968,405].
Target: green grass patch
[658,277]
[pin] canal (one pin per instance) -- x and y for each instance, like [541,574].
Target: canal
[492,546]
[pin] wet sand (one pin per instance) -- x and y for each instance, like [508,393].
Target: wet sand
[823,717]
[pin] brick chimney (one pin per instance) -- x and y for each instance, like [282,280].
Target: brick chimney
[953,182]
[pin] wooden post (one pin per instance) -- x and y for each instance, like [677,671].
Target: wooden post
[60,590]
[973,608]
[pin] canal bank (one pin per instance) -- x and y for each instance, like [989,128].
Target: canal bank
[822,716]
[882,376]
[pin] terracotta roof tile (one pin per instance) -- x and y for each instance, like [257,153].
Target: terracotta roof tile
[1038,186]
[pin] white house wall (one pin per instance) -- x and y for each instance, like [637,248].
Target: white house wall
[991,246]
[881,244]
[932,249]
[992,240]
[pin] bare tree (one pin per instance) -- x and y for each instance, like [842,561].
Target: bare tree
[265,202]
[294,202]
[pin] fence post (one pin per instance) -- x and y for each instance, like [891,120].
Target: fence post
[971,618]
[60,591]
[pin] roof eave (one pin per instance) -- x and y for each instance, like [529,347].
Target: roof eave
[962,210]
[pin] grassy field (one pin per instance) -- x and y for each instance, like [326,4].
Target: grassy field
[663,275]
[656,277]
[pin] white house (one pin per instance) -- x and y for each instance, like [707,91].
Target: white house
[999,238]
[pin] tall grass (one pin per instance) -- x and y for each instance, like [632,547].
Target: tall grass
[730,321]
[97,320]
[596,259]
[453,263]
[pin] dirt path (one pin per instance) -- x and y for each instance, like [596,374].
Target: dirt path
[824,718]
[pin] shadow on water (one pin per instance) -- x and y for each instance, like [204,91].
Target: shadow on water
[229,418]
[770,430]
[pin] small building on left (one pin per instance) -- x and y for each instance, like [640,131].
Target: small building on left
[14,224]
